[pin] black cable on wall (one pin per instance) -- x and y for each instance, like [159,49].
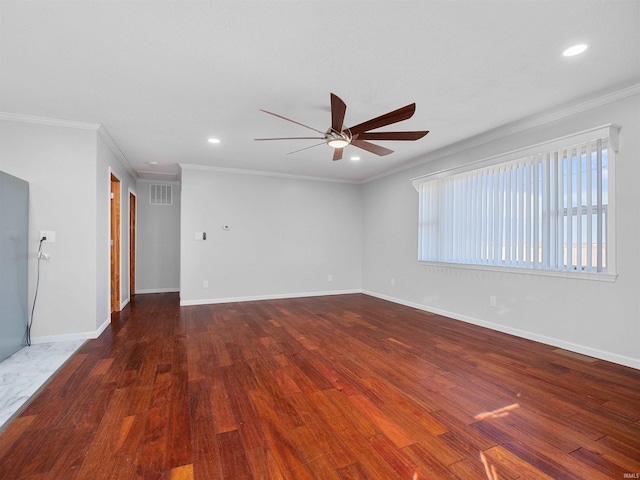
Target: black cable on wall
[35,296]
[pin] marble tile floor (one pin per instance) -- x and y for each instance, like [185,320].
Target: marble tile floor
[25,372]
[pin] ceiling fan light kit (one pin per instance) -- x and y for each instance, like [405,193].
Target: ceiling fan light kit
[339,137]
[338,140]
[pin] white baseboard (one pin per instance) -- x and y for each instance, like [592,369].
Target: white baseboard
[208,301]
[59,338]
[157,290]
[592,352]
[72,336]
[102,327]
[124,302]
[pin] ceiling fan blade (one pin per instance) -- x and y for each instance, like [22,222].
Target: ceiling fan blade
[398,115]
[338,109]
[307,148]
[370,147]
[292,121]
[289,138]
[337,154]
[393,135]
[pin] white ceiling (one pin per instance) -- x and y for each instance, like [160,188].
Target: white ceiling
[162,77]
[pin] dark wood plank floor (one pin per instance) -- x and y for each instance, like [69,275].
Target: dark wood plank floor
[341,387]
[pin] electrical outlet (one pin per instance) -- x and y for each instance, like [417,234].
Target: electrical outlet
[48,235]
[393,282]
[492,301]
[330,278]
[205,284]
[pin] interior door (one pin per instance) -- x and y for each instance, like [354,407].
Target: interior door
[115,244]
[132,245]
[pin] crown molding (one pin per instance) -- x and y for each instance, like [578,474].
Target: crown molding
[523,125]
[54,122]
[104,135]
[261,173]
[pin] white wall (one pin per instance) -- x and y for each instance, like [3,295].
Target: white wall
[59,164]
[107,163]
[158,259]
[68,165]
[592,317]
[286,236]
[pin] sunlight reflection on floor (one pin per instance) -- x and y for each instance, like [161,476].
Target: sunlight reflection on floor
[500,412]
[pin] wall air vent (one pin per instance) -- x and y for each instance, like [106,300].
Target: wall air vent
[160,194]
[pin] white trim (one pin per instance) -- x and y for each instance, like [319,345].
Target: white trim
[72,336]
[125,302]
[135,247]
[102,132]
[600,277]
[102,327]
[184,303]
[157,290]
[62,338]
[110,173]
[592,352]
[261,173]
[612,229]
[53,122]
[513,128]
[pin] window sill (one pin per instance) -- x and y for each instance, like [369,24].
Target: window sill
[600,277]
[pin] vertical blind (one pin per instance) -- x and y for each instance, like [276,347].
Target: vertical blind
[547,210]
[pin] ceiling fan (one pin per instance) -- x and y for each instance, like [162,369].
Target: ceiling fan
[359,135]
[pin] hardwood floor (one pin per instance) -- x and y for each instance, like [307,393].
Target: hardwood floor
[341,387]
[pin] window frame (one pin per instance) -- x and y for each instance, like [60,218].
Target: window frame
[609,131]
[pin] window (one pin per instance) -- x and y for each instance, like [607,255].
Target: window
[548,207]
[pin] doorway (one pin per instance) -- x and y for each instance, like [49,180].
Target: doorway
[115,244]
[132,245]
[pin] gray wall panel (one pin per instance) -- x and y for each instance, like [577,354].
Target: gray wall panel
[14,234]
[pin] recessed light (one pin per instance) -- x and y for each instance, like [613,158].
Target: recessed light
[214,140]
[575,50]
[153,163]
[355,159]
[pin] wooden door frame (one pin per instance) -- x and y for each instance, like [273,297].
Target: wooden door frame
[115,191]
[133,236]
